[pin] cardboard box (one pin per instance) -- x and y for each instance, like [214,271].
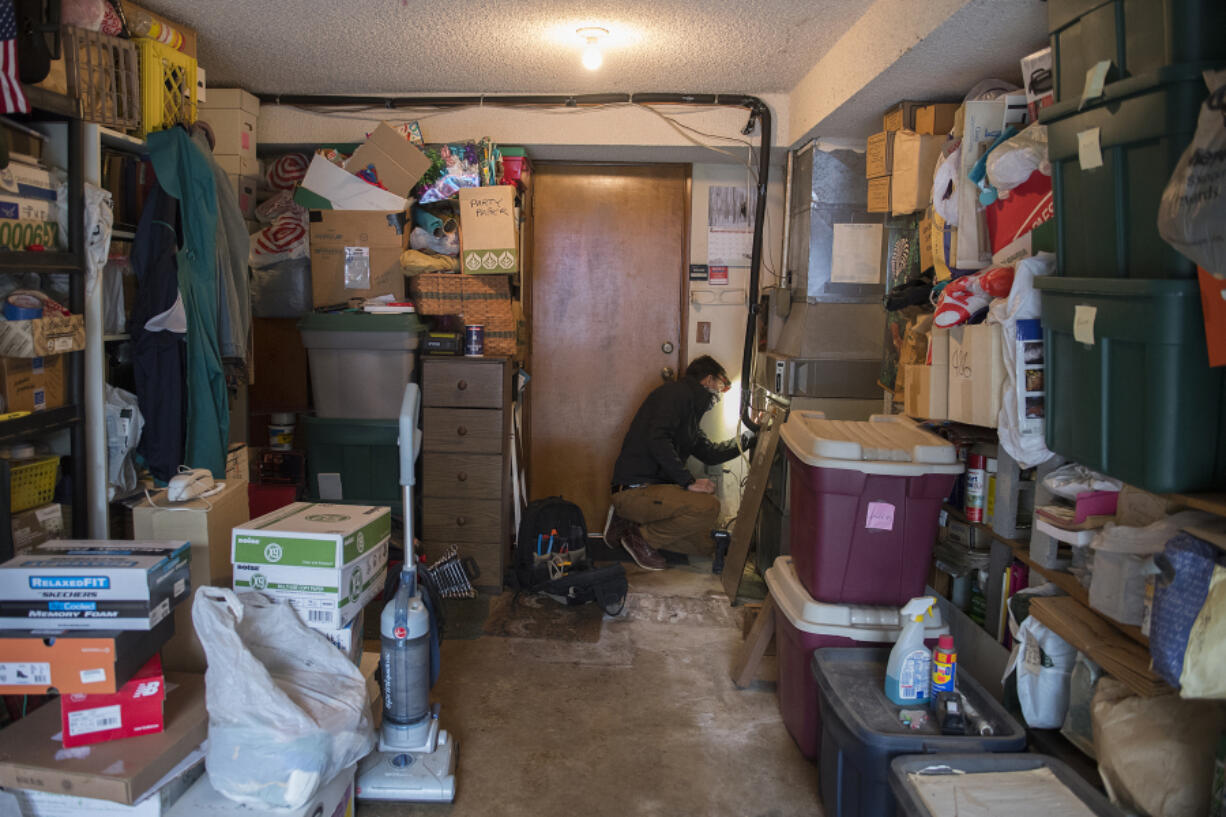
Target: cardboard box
[119,771]
[976,373]
[134,710]
[926,390]
[370,238]
[206,525]
[879,155]
[238,462]
[41,337]
[37,525]
[879,195]
[334,799]
[925,241]
[28,211]
[901,116]
[348,639]
[489,233]
[398,163]
[94,585]
[914,160]
[1017,212]
[32,383]
[234,115]
[325,598]
[936,119]
[36,662]
[1039,82]
[156,803]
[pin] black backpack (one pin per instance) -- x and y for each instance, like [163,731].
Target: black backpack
[551,558]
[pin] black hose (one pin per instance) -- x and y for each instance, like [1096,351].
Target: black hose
[757,110]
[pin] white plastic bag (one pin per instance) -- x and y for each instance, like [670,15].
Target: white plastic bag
[1068,481]
[124,424]
[1013,162]
[1192,214]
[287,710]
[1044,664]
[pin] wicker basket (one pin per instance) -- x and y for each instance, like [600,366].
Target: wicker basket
[478,299]
[104,75]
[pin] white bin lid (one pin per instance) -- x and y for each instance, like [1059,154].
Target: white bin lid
[861,622]
[885,444]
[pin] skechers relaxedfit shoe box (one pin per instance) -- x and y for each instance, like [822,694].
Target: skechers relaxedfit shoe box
[94,585]
[328,561]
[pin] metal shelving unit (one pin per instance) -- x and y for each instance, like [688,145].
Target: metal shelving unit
[51,107]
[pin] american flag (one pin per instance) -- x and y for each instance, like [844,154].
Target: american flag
[12,97]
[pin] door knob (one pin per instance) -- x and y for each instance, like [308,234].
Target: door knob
[667,373]
[462,430]
[462,385]
[667,347]
[460,521]
[462,477]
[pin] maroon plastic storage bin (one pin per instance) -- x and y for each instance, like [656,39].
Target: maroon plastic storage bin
[865,499]
[803,625]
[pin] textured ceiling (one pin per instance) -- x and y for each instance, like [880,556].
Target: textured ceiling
[476,46]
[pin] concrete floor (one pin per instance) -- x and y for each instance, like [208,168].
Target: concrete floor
[633,715]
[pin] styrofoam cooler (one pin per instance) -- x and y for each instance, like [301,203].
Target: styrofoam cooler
[866,497]
[803,625]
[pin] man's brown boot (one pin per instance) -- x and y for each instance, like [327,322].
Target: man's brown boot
[644,555]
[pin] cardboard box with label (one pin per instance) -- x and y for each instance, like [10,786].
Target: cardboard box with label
[1039,82]
[32,383]
[915,159]
[33,662]
[879,195]
[489,233]
[206,525]
[238,462]
[901,116]
[233,115]
[925,241]
[41,337]
[879,154]
[94,585]
[37,525]
[156,803]
[397,163]
[334,799]
[29,217]
[355,254]
[936,119]
[327,560]
[119,771]
[976,374]
[133,710]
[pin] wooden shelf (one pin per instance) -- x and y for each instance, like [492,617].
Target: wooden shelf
[24,261]
[49,102]
[122,142]
[1213,503]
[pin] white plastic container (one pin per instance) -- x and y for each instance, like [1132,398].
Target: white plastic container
[803,625]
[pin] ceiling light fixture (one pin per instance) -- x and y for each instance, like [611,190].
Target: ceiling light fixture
[592,58]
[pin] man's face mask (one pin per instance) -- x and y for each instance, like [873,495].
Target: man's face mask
[721,385]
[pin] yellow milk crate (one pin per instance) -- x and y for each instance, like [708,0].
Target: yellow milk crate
[167,86]
[32,483]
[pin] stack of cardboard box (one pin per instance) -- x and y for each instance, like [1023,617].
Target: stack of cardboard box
[900,160]
[234,114]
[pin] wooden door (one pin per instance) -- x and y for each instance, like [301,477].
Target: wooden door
[609,250]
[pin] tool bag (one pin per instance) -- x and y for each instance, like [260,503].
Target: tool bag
[551,558]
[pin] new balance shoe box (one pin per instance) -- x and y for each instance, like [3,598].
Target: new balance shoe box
[37,662]
[803,625]
[233,115]
[37,525]
[334,799]
[32,383]
[327,561]
[94,585]
[866,500]
[205,524]
[134,710]
[122,771]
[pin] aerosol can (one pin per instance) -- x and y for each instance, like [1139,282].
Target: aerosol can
[415,760]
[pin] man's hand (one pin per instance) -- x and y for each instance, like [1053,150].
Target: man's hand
[701,486]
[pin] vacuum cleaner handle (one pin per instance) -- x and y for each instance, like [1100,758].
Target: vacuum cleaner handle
[410,434]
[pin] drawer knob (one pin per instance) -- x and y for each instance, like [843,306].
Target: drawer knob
[462,385]
[462,477]
[460,521]
[462,430]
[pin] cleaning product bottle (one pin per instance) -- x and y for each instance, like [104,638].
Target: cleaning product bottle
[944,666]
[906,674]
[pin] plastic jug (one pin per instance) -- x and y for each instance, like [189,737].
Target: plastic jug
[907,677]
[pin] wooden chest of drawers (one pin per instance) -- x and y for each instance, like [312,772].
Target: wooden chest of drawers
[466,463]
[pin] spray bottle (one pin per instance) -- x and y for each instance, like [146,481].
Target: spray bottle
[907,673]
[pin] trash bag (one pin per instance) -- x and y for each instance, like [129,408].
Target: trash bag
[1192,214]
[287,709]
[124,424]
[1044,664]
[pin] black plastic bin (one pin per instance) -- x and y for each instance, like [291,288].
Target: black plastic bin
[1137,36]
[861,732]
[1107,217]
[911,804]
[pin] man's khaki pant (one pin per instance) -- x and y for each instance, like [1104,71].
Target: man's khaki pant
[670,517]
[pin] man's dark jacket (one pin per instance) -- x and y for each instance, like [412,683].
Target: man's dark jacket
[664,433]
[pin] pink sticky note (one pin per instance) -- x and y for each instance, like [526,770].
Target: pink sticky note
[880,516]
[246,137]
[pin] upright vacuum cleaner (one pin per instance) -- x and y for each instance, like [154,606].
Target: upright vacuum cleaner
[415,760]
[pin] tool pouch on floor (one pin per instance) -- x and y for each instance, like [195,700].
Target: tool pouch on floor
[604,585]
